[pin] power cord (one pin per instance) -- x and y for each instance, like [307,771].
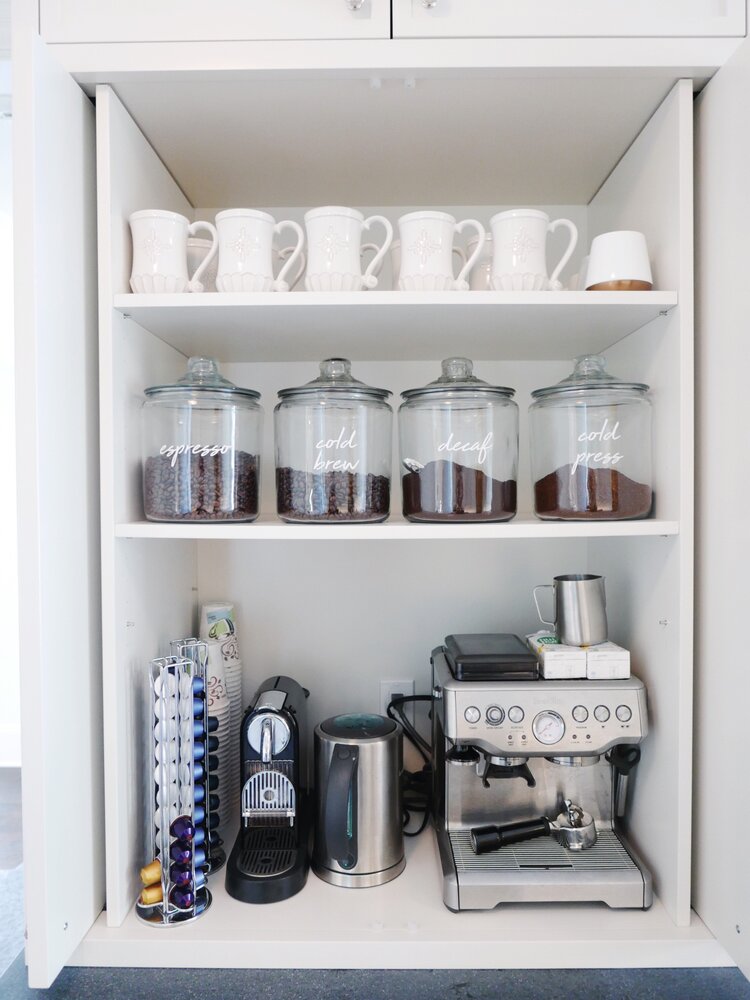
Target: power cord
[417,785]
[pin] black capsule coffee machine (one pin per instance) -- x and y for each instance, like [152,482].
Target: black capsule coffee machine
[271,856]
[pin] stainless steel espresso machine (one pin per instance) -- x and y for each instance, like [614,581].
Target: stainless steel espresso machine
[523,752]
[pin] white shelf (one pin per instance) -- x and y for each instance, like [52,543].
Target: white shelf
[381,326]
[269,528]
[403,924]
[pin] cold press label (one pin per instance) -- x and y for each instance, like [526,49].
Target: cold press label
[603,440]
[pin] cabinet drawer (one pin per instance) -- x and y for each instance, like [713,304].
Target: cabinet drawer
[578,18]
[211,20]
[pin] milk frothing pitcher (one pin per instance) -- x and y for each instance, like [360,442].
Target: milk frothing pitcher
[580,609]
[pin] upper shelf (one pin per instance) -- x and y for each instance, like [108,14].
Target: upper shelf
[381,326]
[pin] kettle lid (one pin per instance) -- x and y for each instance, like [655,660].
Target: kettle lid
[358,726]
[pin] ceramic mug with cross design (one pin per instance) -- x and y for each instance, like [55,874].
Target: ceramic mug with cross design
[427,252]
[519,256]
[246,251]
[334,249]
[160,252]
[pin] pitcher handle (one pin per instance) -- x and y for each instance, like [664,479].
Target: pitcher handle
[461,284]
[368,278]
[543,586]
[195,284]
[571,245]
[280,285]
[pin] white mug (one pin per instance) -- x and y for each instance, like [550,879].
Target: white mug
[427,249]
[480,279]
[396,259]
[619,262]
[334,249]
[160,252]
[246,251]
[519,259]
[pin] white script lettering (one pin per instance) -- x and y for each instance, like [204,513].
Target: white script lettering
[482,447]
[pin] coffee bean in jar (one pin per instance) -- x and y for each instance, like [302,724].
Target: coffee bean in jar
[333,449]
[201,444]
[459,448]
[591,446]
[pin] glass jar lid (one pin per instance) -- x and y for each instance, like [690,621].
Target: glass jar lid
[458,377]
[336,377]
[202,375]
[590,372]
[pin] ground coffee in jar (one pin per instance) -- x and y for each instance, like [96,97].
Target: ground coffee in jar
[591,446]
[201,442]
[459,448]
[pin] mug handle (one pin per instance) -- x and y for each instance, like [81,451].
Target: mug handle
[368,278]
[460,254]
[283,254]
[461,284]
[571,245]
[543,586]
[195,284]
[374,248]
[280,285]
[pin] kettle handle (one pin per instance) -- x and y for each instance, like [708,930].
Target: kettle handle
[340,819]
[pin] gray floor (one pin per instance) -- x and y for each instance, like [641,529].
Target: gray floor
[296,984]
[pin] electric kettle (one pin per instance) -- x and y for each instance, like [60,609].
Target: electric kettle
[358,816]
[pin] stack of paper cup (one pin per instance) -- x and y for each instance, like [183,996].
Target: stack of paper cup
[218,708]
[219,628]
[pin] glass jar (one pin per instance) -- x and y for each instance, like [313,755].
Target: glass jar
[333,449]
[201,447]
[459,448]
[591,446]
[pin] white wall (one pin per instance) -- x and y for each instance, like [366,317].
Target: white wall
[10,709]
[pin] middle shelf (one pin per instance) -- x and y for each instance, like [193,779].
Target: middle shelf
[381,326]
[269,528]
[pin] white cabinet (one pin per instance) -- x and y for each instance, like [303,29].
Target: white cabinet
[196,20]
[575,18]
[349,606]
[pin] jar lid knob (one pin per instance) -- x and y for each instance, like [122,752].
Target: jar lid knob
[336,368]
[457,369]
[591,365]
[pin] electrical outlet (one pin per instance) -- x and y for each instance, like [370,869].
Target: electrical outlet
[389,690]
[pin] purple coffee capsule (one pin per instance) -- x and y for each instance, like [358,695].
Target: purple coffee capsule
[182,854]
[182,875]
[183,828]
[183,899]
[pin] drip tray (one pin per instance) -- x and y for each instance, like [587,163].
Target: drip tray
[267,851]
[544,854]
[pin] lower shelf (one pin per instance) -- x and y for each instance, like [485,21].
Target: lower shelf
[270,528]
[403,925]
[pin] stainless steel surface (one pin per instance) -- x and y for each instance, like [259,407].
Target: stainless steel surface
[268,853]
[276,732]
[378,815]
[575,829]
[269,794]
[580,609]
[154,915]
[537,870]
[349,881]
[272,698]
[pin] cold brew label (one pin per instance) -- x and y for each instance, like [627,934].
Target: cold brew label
[605,453]
[337,454]
[482,448]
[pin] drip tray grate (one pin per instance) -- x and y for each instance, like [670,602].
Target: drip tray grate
[545,853]
[268,851]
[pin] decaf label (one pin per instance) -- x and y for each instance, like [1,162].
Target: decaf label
[606,455]
[481,448]
[173,451]
[337,454]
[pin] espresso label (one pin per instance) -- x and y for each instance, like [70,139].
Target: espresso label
[173,451]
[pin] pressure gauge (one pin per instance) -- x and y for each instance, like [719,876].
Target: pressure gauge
[548,727]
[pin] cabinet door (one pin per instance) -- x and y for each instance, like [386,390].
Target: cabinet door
[576,18]
[722,678]
[221,20]
[58,505]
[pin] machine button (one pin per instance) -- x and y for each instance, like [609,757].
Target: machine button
[623,713]
[495,715]
[516,714]
[580,713]
[472,714]
[601,713]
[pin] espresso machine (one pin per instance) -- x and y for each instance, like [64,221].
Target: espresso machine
[271,856]
[513,757]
